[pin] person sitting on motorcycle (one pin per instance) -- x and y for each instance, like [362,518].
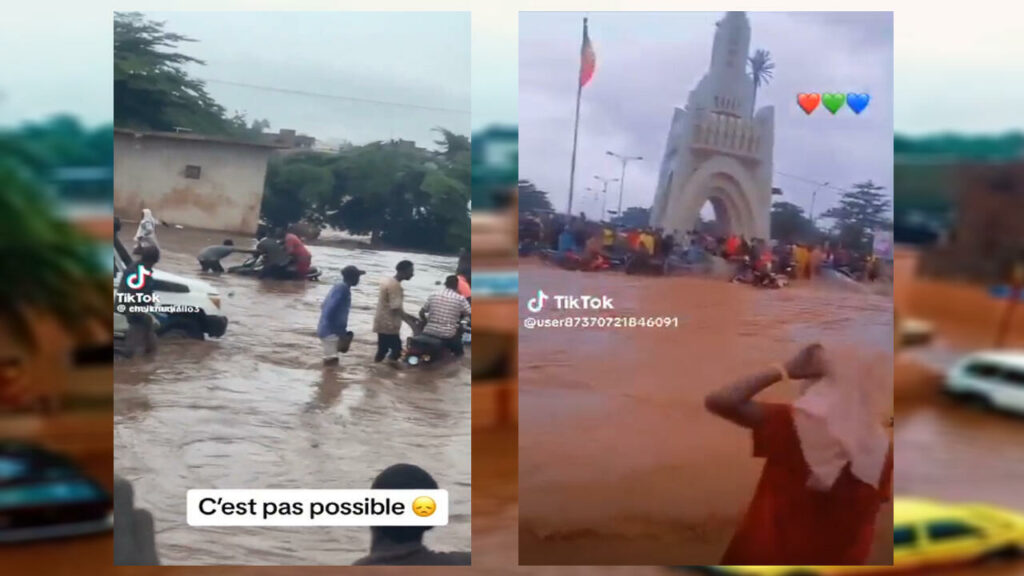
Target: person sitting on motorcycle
[300,256]
[273,258]
[443,313]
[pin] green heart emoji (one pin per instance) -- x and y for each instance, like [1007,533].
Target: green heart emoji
[833,102]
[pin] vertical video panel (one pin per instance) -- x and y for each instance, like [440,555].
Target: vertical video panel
[292,377]
[706,288]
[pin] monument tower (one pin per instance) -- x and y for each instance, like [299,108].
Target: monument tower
[718,148]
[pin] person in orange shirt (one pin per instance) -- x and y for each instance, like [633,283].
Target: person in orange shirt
[732,246]
[633,240]
[828,465]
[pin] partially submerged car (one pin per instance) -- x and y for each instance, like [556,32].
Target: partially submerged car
[174,290]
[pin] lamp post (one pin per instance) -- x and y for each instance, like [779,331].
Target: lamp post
[622,179]
[604,191]
[814,196]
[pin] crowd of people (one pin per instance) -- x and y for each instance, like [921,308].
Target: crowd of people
[282,255]
[577,243]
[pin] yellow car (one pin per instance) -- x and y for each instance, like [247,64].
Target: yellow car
[925,534]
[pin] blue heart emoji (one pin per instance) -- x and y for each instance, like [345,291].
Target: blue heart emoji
[857,102]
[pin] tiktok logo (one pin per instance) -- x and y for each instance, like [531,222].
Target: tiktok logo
[137,281]
[537,304]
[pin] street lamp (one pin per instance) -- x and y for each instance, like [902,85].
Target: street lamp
[814,196]
[622,180]
[604,191]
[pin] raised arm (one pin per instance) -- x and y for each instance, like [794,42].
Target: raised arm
[736,403]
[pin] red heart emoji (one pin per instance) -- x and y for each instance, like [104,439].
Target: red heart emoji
[808,101]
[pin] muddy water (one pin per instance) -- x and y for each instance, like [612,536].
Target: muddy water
[619,461]
[256,410]
[946,450]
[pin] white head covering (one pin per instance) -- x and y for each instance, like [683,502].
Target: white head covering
[146,232]
[839,421]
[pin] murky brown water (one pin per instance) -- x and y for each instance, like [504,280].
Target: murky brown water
[256,410]
[946,450]
[619,461]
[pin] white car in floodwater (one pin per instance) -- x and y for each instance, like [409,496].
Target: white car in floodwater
[995,378]
[174,290]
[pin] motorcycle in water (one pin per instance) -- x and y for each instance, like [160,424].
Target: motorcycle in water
[254,267]
[641,265]
[748,274]
[423,349]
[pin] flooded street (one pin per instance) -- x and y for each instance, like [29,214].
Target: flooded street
[255,409]
[946,450]
[619,460]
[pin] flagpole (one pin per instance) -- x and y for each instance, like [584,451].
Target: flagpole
[576,123]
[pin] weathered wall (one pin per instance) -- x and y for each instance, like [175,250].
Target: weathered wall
[149,172]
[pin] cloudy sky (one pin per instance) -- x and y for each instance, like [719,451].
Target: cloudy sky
[56,54]
[398,58]
[648,62]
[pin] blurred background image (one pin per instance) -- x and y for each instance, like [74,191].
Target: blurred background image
[959,202]
[56,173]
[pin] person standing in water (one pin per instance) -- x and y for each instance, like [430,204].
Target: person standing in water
[145,234]
[828,465]
[387,322]
[333,326]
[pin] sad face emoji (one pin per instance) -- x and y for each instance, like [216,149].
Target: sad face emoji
[424,506]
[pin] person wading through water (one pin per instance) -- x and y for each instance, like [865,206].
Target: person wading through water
[828,464]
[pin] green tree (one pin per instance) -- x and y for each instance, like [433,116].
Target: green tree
[860,211]
[531,199]
[399,194]
[152,89]
[47,265]
[762,70]
[790,224]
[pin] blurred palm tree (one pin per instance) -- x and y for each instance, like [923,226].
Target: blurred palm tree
[762,70]
[48,266]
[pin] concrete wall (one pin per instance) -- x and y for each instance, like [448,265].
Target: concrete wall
[149,172]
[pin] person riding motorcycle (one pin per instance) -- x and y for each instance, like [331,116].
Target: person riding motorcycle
[442,316]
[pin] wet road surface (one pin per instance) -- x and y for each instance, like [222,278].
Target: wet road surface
[945,449]
[255,409]
[619,461]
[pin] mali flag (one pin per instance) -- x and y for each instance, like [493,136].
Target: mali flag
[588,59]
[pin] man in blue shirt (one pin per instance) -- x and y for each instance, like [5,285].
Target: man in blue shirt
[333,327]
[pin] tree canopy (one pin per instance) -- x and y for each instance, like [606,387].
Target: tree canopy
[532,199]
[154,91]
[47,265]
[401,195]
[861,210]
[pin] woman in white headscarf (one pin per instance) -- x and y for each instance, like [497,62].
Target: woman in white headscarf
[828,462]
[145,235]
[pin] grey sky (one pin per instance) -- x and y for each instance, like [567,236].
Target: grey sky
[391,56]
[648,62]
[387,56]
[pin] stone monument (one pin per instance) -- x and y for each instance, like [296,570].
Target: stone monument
[718,149]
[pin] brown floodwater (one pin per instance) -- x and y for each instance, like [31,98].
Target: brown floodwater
[255,409]
[620,463]
[946,450]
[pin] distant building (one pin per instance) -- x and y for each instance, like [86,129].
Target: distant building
[286,138]
[193,180]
